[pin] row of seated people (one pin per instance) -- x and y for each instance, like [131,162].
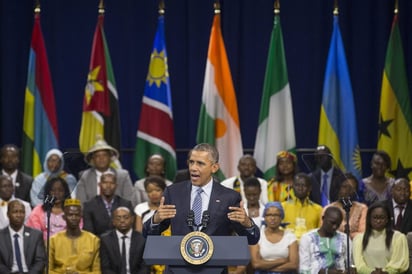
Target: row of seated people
[326,178]
[379,249]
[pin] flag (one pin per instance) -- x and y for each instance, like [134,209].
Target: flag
[218,119]
[40,133]
[100,117]
[395,118]
[276,130]
[155,134]
[337,127]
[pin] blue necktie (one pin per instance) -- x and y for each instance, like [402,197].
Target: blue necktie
[197,206]
[325,200]
[17,252]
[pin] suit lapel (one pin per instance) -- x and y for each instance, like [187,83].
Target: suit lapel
[26,244]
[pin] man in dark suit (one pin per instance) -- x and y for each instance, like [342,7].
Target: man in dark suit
[201,193]
[401,206]
[116,259]
[97,212]
[10,160]
[326,176]
[28,256]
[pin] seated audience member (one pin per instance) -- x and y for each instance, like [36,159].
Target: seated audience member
[247,169]
[6,196]
[401,206]
[57,188]
[97,212]
[409,238]
[357,211]
[377,186]
[326,178]
[324,250]
[53,167]
[253,206]
[277,249]
[19,239]
[74,250]
[126,257]
[380,250]
[301,214]
[155,186]
[155,165]
[99,157]
[9,161]
[280,187]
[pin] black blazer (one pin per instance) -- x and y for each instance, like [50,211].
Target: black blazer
[406,224]
[337,179]
[219,224]
[95,217]
[34,251]
[23,186]
[110,254]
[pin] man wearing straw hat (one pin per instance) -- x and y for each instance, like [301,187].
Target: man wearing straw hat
[100,157]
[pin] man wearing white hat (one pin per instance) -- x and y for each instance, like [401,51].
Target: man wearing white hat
[99,157]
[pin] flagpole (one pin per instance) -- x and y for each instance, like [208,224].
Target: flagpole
[161,7]
[101,7]
[276,7]
[216,6]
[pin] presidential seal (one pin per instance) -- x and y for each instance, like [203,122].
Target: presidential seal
[196,248]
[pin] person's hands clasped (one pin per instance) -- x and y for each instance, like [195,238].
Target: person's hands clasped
[238,214]
[164,212]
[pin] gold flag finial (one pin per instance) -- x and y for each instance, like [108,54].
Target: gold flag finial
[101,6]
[396,7]
[37,7]
[336,8]
[276,7]
[216,5]
[161,7]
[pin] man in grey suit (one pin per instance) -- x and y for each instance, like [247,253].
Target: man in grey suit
[224,205]
[99,157]
[22,249]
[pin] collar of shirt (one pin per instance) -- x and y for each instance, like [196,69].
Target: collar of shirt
[13,175]
[128,234]
[20,232]
[207,189]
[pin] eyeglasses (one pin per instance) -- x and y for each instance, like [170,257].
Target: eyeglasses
[272,215]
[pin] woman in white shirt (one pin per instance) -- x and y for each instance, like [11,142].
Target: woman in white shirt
[277,250]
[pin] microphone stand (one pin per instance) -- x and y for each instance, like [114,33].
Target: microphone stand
[191,219]
[205,219]
[49,203]
[347,204]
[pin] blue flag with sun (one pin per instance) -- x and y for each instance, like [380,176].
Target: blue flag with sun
[155,134]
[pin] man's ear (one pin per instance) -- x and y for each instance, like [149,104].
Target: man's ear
[215,167]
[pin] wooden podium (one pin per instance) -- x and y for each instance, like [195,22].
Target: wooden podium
[228,250]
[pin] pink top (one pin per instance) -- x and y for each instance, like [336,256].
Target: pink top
[38,220]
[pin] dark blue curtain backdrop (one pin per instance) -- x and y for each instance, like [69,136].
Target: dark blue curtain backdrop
[130,25]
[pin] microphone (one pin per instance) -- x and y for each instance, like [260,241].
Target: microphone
[205,219]
[49,201]
[346,202]
[190,218]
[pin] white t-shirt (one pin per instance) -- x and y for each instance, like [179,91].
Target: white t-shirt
[272,251]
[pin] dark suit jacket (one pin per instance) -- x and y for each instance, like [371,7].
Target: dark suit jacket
[23,186]
[110,254]
[34,251]
[95,217]
[337,179]
[406,225]
[219,224]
